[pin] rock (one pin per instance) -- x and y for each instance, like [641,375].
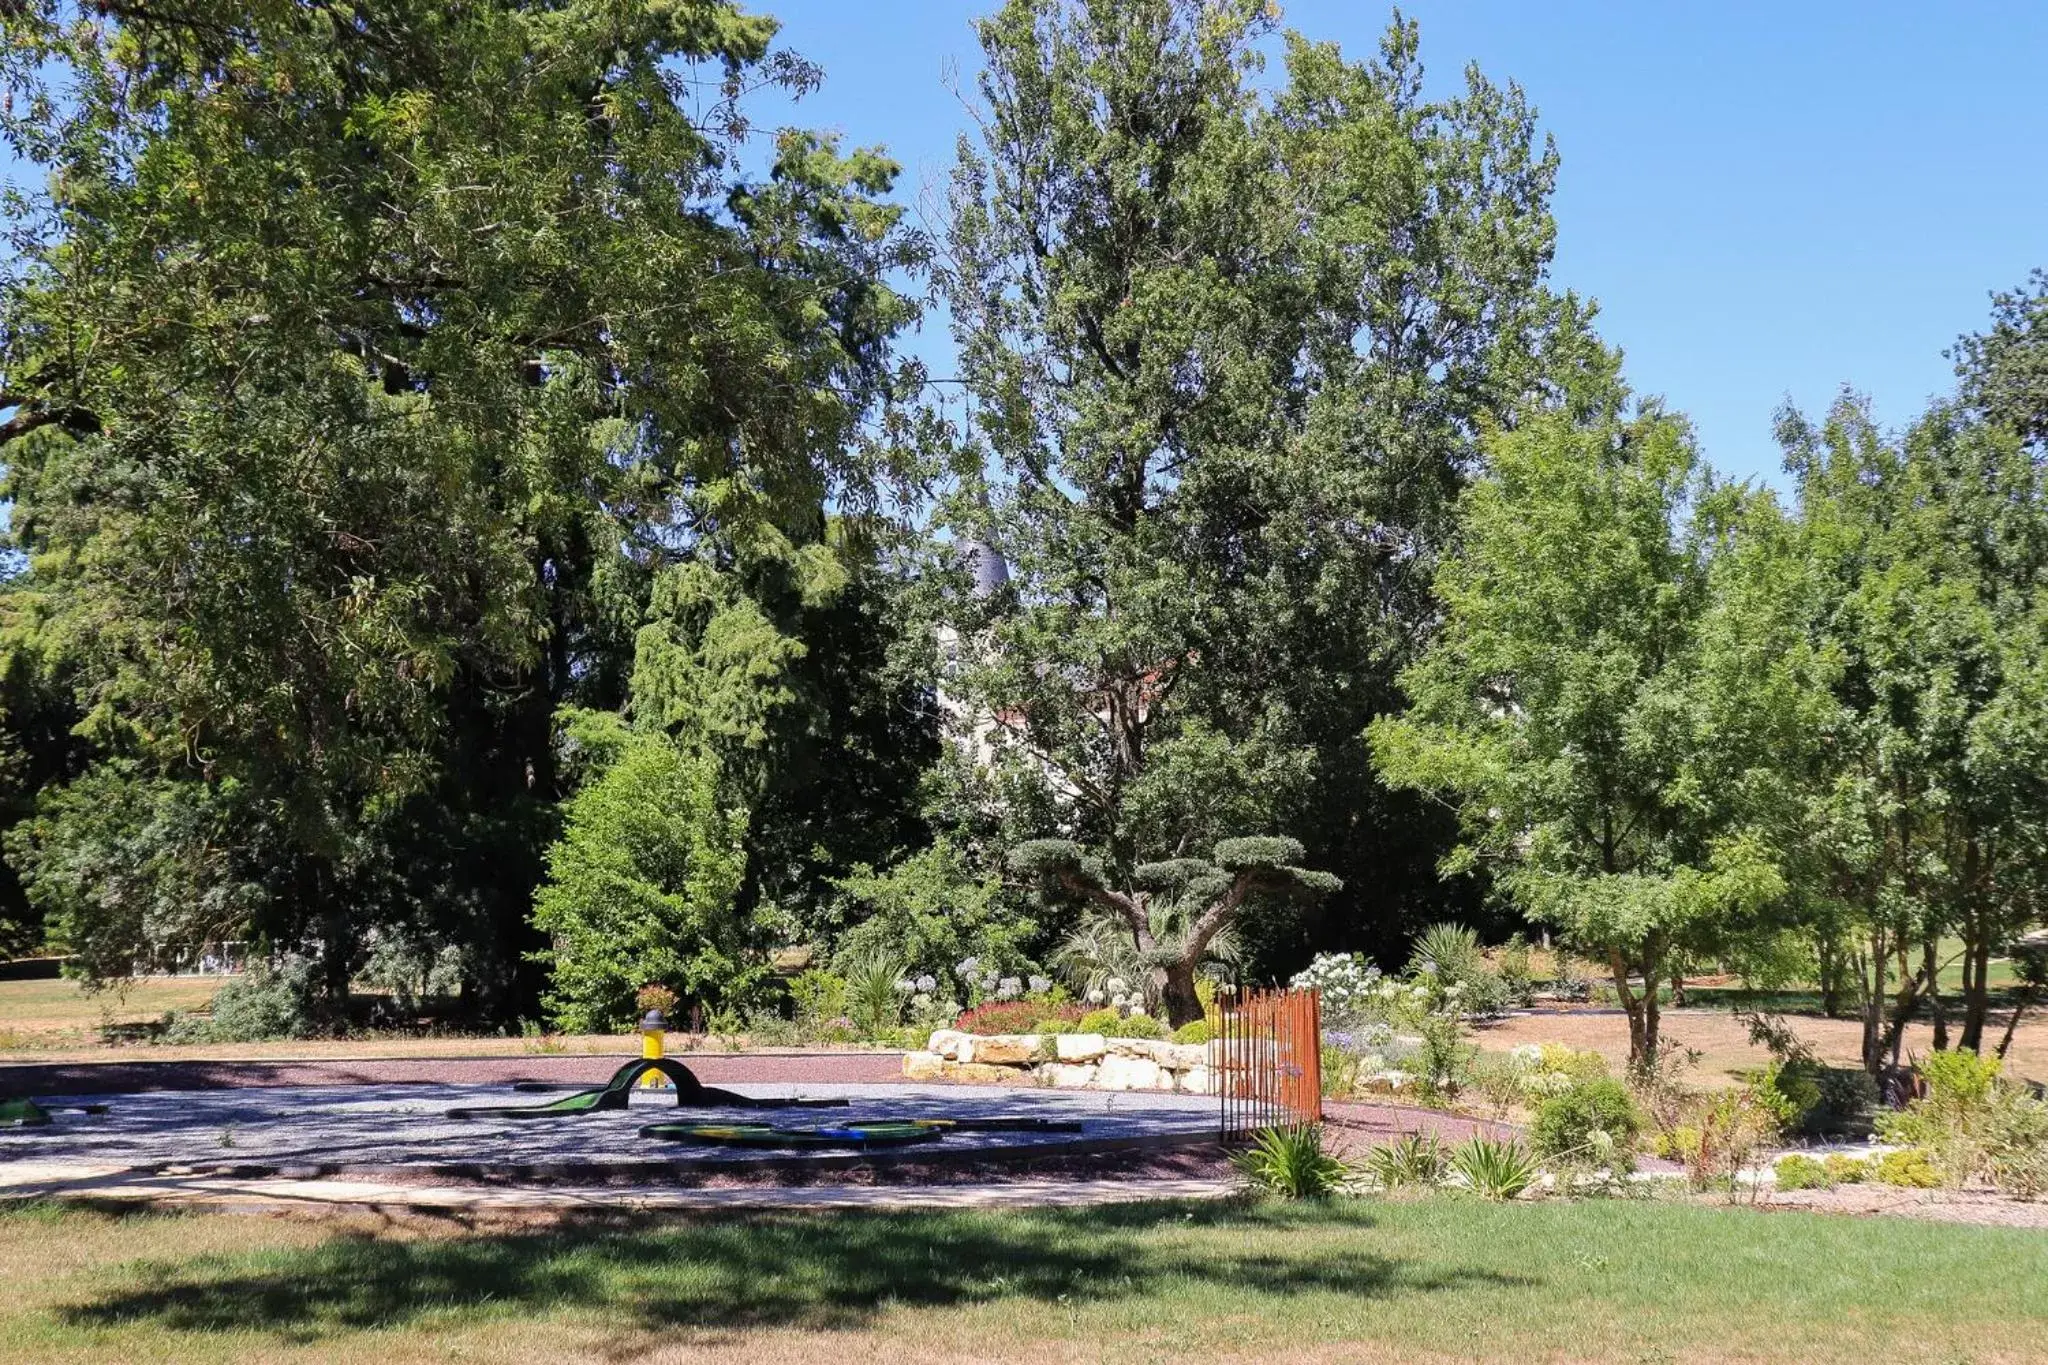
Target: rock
[1196,1080]
[1386,1082]
[1180,1056]
[1066,1077]
[949,1043]
[1131,1073]
[1010,1049]
[975,1073]
[923,1066]
[1129,1047]
[1080,1047]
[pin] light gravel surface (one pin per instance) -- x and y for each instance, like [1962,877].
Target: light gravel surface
[290,1130]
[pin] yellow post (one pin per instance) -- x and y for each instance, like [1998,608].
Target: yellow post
[650,1048]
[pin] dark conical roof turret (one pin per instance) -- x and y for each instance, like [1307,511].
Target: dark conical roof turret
[984,564]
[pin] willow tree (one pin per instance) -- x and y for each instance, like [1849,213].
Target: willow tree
[367,362]
[1226,356]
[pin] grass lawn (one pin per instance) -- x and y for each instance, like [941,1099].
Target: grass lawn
[1370,1281]
[59,1013]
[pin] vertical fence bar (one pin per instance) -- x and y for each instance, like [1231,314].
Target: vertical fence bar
[1268,1064]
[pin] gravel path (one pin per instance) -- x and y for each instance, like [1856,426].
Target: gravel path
[713,1068]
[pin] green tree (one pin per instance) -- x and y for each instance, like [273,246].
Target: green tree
[643,885]
[1929,813]
[1226,358]
[1175,909]
[368,365]
[1566,708]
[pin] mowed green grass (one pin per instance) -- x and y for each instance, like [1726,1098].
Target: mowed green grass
[1436,1279]
[61,1012]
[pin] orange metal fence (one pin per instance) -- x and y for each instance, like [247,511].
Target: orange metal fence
[1269,1059]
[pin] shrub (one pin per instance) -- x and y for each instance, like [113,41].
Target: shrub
[871,995]
[1290,1162]
[1910,1167]
[1100,1021]
[1494,1170]
[1500,1079]
[1136,1026]
[1596,1122]
[1970,1123]
[1843,1169]
[1801,1172]
[263,1005]
[817,994]
[1413,1159]
[1010,1016]
[1195,1031]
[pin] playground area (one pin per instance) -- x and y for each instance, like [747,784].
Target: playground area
[383,1141]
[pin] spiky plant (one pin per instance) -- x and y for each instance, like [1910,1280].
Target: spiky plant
[1413,1159]
[1290,1162]
[1494,1170]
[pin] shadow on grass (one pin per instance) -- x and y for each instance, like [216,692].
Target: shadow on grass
[799,1271]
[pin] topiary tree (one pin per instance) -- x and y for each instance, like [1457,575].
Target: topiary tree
[1204,896]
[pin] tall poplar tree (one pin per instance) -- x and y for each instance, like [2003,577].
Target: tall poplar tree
[1227,356]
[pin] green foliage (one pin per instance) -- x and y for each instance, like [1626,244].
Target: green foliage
[644,883]
[263,1005]
[364,380]
[1595,1123]
[1136,1026]
[1195,1031]
[1411,1160]
[934,909]
[1910,1167]
[1204,606]
[819,995]
[1571,706]
[1494,1170]
[871,994]
[1290,1163]
[1970,1123]
[1823,1100]
[1843,1169]
[1099,1021]
[1797,1171]
[1177,915]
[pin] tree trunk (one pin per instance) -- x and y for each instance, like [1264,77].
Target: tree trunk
[1930,966]
[1641,1009]
[1976,984]
[1176,985]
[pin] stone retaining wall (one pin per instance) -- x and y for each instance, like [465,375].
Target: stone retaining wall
[1087,1061]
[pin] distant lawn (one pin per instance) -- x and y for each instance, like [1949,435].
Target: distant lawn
[1438,1279]
[60,1013]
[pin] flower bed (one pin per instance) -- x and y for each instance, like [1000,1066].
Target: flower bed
[1087,1061]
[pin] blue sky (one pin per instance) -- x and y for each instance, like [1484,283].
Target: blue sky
[1768,200]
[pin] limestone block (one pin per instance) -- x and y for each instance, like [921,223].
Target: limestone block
[1065,1077]
[923,1066]
[1196,1080]
[1180,1056]
[974,1073]
[1131,1073]
[1080,1047]
[948,1043]
[1009,1049]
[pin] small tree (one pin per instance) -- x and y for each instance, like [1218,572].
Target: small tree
[1201,898]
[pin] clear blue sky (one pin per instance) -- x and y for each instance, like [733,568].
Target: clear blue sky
[1768,200]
